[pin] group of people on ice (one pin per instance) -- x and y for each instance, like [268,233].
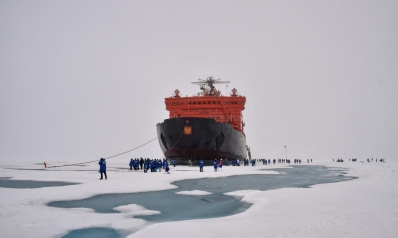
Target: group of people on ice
[266,162]
[153,165]
[136,163]
[217,164]
[380,160]
[355,159]
[156,165]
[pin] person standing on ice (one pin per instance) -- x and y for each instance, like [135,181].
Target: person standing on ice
[215,165]
[155,165]
[146,165]
[158,166]
[131,164]
[102,170]
[220,164]
[166,166]
[201,165]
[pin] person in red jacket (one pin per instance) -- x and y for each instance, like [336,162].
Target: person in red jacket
[220,164]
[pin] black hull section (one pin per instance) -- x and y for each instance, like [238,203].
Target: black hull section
[209,140]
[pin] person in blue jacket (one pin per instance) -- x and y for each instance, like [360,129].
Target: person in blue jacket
[131,164]
[160,165]
[137,164]
[215,165]
[201,162]
[166,166]
[151,165]
[102,170]
[141,162]
[146,165]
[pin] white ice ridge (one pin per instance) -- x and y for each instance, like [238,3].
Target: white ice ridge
[194,192]
[135,210]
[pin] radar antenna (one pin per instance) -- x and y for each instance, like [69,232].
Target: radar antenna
[209,82]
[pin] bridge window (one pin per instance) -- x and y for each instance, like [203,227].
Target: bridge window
[225,102]
[199,103]
[214,102]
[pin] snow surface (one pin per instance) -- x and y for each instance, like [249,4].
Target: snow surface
[364,207]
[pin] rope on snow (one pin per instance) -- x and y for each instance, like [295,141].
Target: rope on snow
[56,166]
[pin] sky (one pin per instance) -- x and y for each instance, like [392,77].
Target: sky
[80,80]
